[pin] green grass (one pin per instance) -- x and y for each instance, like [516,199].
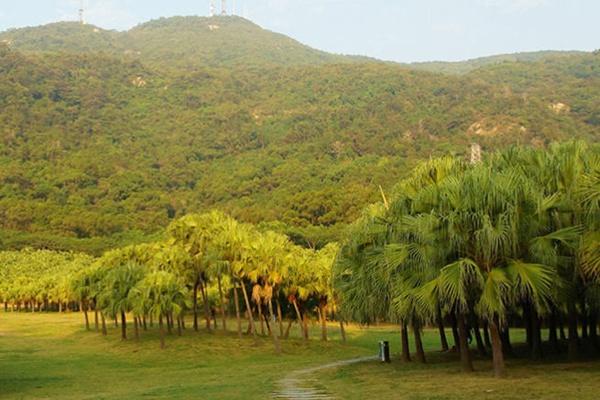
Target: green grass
[52,356]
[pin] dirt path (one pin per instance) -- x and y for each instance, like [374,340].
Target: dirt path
[302,385]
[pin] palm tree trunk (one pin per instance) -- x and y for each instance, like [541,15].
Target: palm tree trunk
[260,318]
[85,313]
[162,331]
[144,322]
[420,352]
[195,305]
[274,331]
[478,338]
[536,336]
[169,317]
[404,340]
[465,353]
[322,312]
[584,320]
[136,328]
[96,325]
[552,332]
[223,308]
[486,335]
[305,324]
[60,309]
[300,322]
[505,337]
[287,330]
[237,310]
[594,328]
[455,335]
[342,331]
[573,337]
[440,324]
[248,310]
[205,301]
[279,317]
[103,324]
[123,326]
[179,325]
[527,319]
[497,352]
[561,328]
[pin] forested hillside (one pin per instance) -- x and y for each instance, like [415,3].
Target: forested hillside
[107,136]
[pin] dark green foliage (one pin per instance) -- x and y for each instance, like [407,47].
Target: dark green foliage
[95,144]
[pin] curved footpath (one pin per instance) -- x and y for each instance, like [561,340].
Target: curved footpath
[301,384]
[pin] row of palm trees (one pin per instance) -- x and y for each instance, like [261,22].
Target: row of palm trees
[510,241]
[205,263]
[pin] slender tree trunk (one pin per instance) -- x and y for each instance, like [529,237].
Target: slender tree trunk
[195,305]
[116,321]
[573,337]
[60,309]
[303,333]
[527,319]
[279,317]
[537,352]
[440,324]
[96,325]
[287,330]
[342,331]
[205,301]
[323,310]
[561,328]
[162,331]
[420,352]
[594,328]
[465,354]
[123,326]
[260,317]
[248,309]
[497,352]
[505,337]
[179,325]
[478,338]
[404,340]
[104,333]
[455,335]
[486,335]
[552,332]
[274,331]
[144,322]
[169,318]
[237,310]
[305,323]
[222,300]
[136,328]
[85,313]
[584,320]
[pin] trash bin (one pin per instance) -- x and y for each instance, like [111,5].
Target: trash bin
[384,351]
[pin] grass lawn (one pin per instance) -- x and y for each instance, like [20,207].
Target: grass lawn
[51,356]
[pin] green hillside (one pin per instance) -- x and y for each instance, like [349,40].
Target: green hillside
[106,146]
[177,41]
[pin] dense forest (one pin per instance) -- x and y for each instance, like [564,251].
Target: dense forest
[106,137]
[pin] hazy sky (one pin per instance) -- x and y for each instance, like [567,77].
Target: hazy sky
[400,30]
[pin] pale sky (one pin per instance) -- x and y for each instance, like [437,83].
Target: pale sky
[398,30]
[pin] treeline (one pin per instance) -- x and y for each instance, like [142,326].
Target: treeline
[481,248]
[207,266]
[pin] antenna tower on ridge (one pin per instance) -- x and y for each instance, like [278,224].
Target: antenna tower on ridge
[223,7]
[81,20]
[212,8]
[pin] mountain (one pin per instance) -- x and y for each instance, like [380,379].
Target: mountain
[177,41]
[102,147]
[463,67]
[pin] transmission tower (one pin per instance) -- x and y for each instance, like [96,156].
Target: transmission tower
[213,8]
[223,7]
[81,20]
